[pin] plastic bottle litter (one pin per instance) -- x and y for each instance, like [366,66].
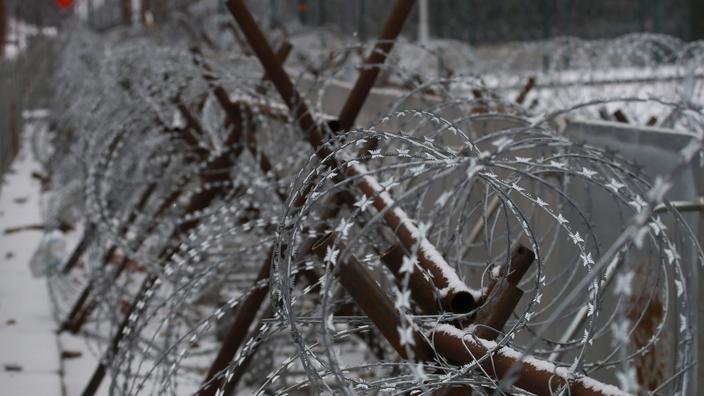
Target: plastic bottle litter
[49,254]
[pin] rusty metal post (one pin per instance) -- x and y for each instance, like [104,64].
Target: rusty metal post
[99,374]
[242,368]
[143,10]
[281,55]
[367,77]
[525,90]
[3,28]
[521,260]
[127,12]
[506,294]
[351,273]
[360,284]
[233,110]
[196,131]
[498,311]
[246,313]
[283,84]
[532,375]
[491,318]
[275,71]
[78,250]
[449,342]
[422,289]
[454,390]
[224,160]
[457,298]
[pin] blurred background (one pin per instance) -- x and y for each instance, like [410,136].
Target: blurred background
[28,26]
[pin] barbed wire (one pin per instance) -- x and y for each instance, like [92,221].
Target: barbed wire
[194,204]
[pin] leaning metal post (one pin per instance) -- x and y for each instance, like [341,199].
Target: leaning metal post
[349,113]
[457,295]
[451,345]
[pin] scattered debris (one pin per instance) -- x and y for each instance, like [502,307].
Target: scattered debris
[70,354]
[63,227]
[13,367]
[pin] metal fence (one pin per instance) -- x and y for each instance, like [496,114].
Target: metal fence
[11,116]
[112,13]
[490,22]
[23,86]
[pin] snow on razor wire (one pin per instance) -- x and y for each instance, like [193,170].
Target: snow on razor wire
[456,160]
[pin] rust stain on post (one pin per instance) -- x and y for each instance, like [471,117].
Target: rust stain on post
[246,314]
[422,289]
[645,309]
[367,77]
[360,284]
[531,375]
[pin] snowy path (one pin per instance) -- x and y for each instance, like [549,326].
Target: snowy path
[29,351]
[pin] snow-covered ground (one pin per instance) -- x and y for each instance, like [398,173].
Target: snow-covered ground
[29,350]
